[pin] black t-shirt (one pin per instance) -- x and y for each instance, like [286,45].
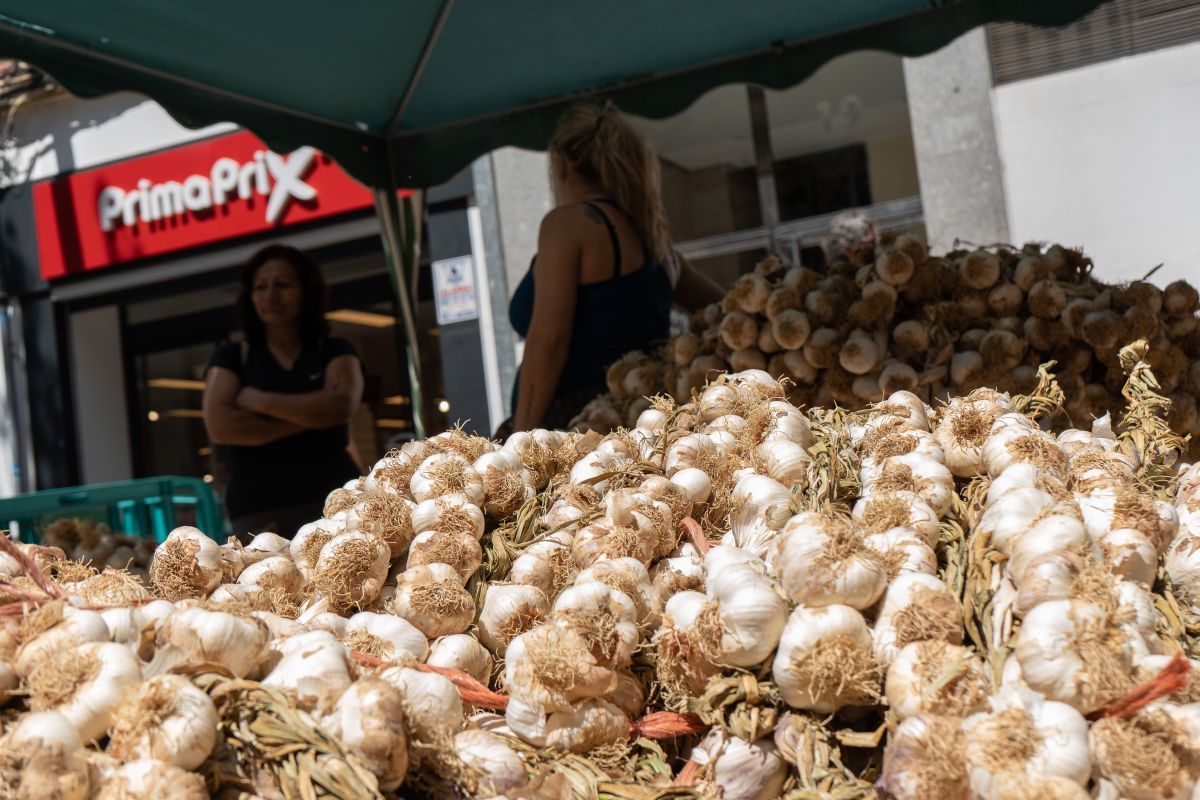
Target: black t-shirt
[297,469]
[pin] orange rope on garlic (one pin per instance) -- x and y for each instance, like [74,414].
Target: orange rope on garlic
[1170,680]
[666,725]
[687,776]
[469,689]
[696,533]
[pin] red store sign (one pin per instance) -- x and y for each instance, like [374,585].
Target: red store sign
[209,191]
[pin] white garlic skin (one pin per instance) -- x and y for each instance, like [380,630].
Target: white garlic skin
[368,721]
[407,642]
[316,667]
[432,705]
[91,707]
[184,737]
[462,651]
[807,631]
[498,765]
[507,607]
[742,770]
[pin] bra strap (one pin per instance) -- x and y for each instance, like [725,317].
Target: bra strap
[612,234]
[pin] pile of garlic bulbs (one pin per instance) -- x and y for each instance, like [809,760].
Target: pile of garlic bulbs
[732,598]
[935,325]
[96,544]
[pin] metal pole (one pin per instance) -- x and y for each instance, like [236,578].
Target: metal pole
[400,249]
[764,160]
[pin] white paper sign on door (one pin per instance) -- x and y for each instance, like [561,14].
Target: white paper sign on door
[454,290]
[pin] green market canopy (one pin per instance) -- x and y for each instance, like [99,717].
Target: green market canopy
[410,91]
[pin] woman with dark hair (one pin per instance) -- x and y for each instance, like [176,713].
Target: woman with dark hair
[281,400]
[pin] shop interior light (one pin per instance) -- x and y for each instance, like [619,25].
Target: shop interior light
[398,424]
[367,319]
[443,406]
[176,383]
[208,478]
[152,416]
[186,413]
[396,400]
[204,451]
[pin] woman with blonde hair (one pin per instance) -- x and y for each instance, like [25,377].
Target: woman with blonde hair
[605,275]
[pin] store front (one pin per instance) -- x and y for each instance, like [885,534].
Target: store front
[130,284]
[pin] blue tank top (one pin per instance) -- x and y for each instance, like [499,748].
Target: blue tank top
[612,317]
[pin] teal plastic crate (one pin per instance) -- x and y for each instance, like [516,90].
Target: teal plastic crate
[150,507]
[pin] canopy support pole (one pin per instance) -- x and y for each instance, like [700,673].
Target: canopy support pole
[764,161]
[399,223]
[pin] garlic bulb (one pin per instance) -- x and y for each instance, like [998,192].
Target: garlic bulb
[1010,445]
[1182,564]
[586,726]
[760,501]
[915,472]
[497,766]
[241,597]
[151,779]
[351,569]
[1025,736]
[274,572]
[197,636]
[446,473]
[673,575]
[1010,515]
[552,667]
[961,431]
[603,617]
[925,759]
[881,511]
[825,660]
[741,770]
[603,539]
[44,758]
[626,575]
[455,548]
[1069,652]
[186,564]
[508,611]
[1050,576]
[1053,533]
[935,677]
[1129,554]
[368,721]
[744,617]
[384,636]
[902,551]
[916,608]
[168,719]
[823,561]
[85,685]
[433,599]
[316,668]
[54,629]
[785,462]
[548,564]
[462,651]
[689,451]
[306,545]
[328,621]
[264,545]
[1146,756]
[433,709]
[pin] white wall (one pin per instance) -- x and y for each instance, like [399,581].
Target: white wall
[63,133]
[1107,157]
[98,379]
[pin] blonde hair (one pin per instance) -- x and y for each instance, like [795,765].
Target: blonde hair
[599,144]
